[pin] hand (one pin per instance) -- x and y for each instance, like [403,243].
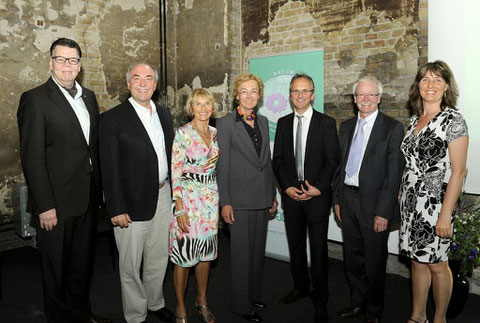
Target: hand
[443,228]
[227,214]
[183,222]
[273,209]
[380,224]
[121,220]
[336,209]
[48,219]
[296,194]
[311,191]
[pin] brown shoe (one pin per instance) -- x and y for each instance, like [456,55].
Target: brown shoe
[351,311]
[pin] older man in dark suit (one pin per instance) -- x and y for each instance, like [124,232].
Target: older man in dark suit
[366,197]
[136,148]
[305,158]
[58,124]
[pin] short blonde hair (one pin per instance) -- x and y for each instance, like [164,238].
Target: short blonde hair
[192,97]
[244,77]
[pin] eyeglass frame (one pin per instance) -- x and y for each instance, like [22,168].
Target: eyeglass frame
[298,92]
[369,95]
[66,59]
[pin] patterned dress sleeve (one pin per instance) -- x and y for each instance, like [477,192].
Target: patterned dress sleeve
[456,128]
[178,158]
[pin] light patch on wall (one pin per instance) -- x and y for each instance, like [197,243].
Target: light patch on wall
[7,30]
[136,5]
[131,41]
[189,4]
[223,89]
[45,37]
[197,82]
[52,14]
[27,75]
[74,7]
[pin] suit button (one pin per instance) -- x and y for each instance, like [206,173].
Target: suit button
[260,168]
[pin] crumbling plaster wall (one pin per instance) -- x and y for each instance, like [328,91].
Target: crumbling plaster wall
[112,35]
[386,39]
[204,50]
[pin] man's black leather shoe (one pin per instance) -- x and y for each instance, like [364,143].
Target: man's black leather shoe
[259,305]
[253,317]
[95,319]
[350,311]
[372,319]
[293,296]
[321,314]
[164,315]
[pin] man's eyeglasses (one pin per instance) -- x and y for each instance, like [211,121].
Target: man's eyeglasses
[298,92]
[369,95]
[62,60]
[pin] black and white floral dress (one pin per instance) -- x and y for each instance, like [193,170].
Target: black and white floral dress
[424,184]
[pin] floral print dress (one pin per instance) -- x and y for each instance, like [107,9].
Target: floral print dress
[424,184]
[194,182]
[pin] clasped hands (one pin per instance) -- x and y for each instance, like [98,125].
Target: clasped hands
[303,194]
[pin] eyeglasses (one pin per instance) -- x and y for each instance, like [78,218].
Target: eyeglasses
[245,92]
[298,92]
[369,95]
[62,60]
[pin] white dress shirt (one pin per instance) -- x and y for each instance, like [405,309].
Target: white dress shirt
[155,133]
[367,128]
[307,117]
[79,108]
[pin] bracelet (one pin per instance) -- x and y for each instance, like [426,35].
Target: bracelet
[179,212]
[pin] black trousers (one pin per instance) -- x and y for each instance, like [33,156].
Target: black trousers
[66,263]
[301,217]
[365,255]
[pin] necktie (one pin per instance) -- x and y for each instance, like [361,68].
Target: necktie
[353,163]
[298,149]
[73,91]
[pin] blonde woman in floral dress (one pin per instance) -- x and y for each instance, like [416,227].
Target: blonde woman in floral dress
[193,229]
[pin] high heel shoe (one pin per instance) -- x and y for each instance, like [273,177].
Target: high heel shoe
[208,317]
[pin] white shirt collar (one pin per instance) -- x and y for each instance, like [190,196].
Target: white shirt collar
[307,114]
[371,118]
[141,108]
[79,89]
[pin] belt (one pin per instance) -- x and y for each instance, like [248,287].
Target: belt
[353,188]
[162,184]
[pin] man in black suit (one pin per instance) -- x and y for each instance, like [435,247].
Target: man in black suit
[366,197]
[136,148]
[58,125]
[305,158]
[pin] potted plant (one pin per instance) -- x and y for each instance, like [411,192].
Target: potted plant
[464,252]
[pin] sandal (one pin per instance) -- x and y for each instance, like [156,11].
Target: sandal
[415,321]
[181,319]
[208,317]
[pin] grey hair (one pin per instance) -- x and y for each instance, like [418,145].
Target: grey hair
[371,79]
[155,73]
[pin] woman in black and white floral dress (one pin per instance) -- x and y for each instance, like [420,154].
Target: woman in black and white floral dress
[435,149]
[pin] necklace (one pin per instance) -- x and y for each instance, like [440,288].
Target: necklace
[246,117]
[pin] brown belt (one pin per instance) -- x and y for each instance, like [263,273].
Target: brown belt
[162,184]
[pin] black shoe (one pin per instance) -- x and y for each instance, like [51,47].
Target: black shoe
[293,296]
[372,319]
[95,319]
[253,317]
[350,311]
[321,314]
[259,305]
[164,315]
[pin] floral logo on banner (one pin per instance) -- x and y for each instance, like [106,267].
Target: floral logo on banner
[276,102]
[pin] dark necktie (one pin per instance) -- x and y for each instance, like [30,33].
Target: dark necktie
[298,149]
[73,91]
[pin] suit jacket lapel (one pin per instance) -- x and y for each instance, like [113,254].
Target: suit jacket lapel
[91,112]
[133,117]
[62,103]
[244,137]
[374,135]
[349,138]
[263,124]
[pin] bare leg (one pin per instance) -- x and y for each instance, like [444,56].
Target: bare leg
[180,280]
[442,289]
[421,280]
[202,270]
